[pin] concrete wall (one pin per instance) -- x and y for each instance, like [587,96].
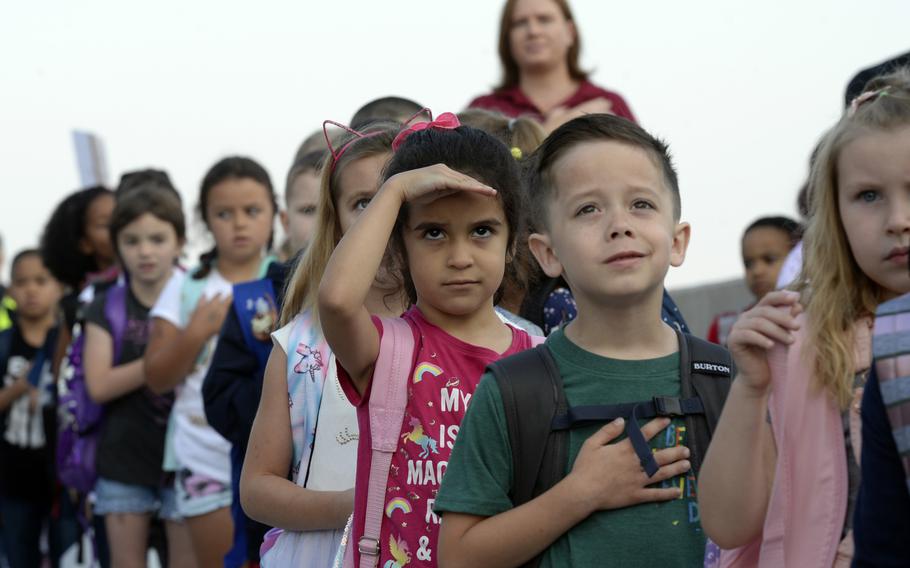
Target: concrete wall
[699,304]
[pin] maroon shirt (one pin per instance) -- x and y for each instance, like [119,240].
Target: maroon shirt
[513,102]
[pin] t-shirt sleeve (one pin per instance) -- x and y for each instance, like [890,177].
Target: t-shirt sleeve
[95,312]
[344,379]
[168,305]
[282,336]
[479,474]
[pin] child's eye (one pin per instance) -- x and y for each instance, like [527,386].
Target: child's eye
[585,210]
[361,204]
[483,232]
[642,204]
[307,210]
[433,234]
[157,239]
[223,215]
[253,211]
[868,196]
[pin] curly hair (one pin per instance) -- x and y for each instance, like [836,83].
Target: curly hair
[63,232]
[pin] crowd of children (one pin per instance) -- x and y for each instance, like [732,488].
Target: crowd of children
[462,354]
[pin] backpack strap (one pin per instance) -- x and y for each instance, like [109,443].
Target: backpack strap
[522,379]
[190,293]
[705,375]
[246,296]
[706,372]
[115,312]
[6,344]
[43,356]
[539,454]
[388,398]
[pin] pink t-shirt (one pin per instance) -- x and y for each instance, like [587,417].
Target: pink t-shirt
[445,373]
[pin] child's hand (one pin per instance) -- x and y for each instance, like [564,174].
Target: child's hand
[428,184]
[209,315]
[756,331]
[610,476]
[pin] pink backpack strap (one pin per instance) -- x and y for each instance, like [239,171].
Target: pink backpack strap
[537,340]
[388,398]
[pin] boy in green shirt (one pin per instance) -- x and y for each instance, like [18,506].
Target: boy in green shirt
[605,206]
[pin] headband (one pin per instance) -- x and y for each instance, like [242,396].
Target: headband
[336,154]
[866,97]
[446,121]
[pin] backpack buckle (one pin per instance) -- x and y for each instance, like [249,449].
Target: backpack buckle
[668,406]
[368,546]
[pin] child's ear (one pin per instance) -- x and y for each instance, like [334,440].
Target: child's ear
[543,251]
[681,234]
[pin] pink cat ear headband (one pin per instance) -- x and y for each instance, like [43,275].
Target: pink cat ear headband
[446,121]
[336,154]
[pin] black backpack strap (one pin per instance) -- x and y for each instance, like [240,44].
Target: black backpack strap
[531,390]
[532,397]
[706,372]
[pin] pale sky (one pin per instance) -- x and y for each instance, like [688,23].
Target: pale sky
[741,91]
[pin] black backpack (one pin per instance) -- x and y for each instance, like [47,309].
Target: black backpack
[539,419]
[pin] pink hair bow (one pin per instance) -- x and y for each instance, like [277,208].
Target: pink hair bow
[445,121]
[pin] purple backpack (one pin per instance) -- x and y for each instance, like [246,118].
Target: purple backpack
[79,417]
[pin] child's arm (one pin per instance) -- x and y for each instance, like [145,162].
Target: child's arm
[604,476]
[265,491]
[104,381]
[350,273]
[735,481]
[172,351]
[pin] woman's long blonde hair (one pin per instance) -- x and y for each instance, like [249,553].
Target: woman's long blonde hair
[301,288]
[835,291]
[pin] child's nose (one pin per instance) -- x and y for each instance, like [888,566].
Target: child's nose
[460,255]
[899,216]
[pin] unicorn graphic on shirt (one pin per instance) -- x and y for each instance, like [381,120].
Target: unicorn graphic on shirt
[400,552]
[310,361]
[417,436]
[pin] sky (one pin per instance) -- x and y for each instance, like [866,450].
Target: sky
[741,91]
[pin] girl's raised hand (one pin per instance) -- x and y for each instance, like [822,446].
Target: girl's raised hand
[425,185]
[772,320]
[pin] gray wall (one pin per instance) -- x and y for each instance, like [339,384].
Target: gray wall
[699,304]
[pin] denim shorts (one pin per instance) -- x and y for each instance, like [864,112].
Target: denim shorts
[115,497]
[198,494]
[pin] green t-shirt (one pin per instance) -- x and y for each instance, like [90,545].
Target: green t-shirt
[479,474]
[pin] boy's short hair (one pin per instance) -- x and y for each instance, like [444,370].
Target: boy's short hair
[590,128]
[396,109]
